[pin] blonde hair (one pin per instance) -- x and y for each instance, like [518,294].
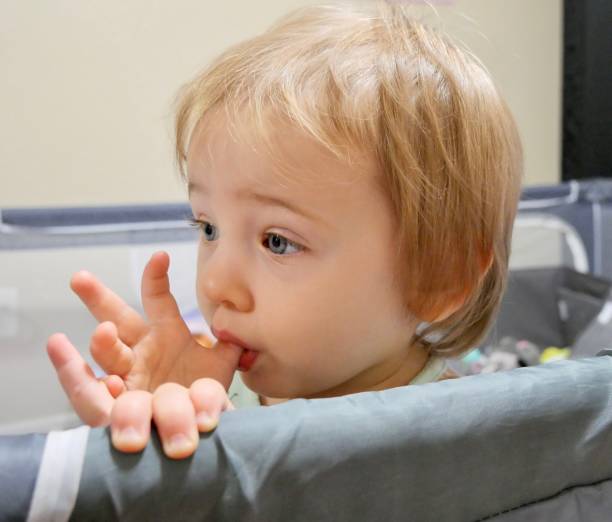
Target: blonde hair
[372,77]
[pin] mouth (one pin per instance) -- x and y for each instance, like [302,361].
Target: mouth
[248,355]
[247,359]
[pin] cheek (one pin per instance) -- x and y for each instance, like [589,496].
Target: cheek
[365,301]
[203,303]
[300,323]
[327,313]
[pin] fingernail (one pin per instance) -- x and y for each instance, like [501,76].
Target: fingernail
[179,445]
[127,438]
[206,422]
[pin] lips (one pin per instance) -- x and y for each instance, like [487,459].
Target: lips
[248,356]
[247,359]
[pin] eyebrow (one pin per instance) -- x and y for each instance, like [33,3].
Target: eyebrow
[264,199]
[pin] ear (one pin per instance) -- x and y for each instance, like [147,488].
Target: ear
[453,303]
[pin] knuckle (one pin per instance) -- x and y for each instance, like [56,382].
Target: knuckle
[123,319]
[95,348]
[97,339]
[168,387]
[207,393]
[208,385]
[132,397]
[118,359]
[133,406]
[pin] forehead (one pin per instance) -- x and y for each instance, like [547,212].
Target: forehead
[290,159]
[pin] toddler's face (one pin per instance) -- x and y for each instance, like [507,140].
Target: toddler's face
[307,283]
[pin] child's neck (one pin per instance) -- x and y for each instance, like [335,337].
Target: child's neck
[404,374]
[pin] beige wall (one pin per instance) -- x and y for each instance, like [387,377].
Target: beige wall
[521,44]
[86,87]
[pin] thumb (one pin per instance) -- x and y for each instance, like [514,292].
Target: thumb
[220,359]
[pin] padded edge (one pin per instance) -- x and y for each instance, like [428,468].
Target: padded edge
[456,450]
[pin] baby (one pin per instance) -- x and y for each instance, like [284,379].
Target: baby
[355,178]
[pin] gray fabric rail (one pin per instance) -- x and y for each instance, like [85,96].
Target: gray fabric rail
[37,228]
[587,206]
[532,443]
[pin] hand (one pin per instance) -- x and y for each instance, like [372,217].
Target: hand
[136,354]
[179,414]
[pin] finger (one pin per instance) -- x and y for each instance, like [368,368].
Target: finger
[174,417]
[209,399]
[89,397]
[222,362]
[108,350]
[105,305]
[131,421]
[157,301]
[115,385]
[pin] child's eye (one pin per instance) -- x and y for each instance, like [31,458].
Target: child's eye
[275,242]
[278,244]
[207,228]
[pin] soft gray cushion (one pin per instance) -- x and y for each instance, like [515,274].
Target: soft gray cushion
[456,450]
[528,444]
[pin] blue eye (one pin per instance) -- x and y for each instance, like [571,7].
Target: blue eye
[209,230]
[278,242]
[206,228]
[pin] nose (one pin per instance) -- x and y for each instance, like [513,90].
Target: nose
[221,279]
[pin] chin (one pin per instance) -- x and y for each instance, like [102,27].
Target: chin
[272,390]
